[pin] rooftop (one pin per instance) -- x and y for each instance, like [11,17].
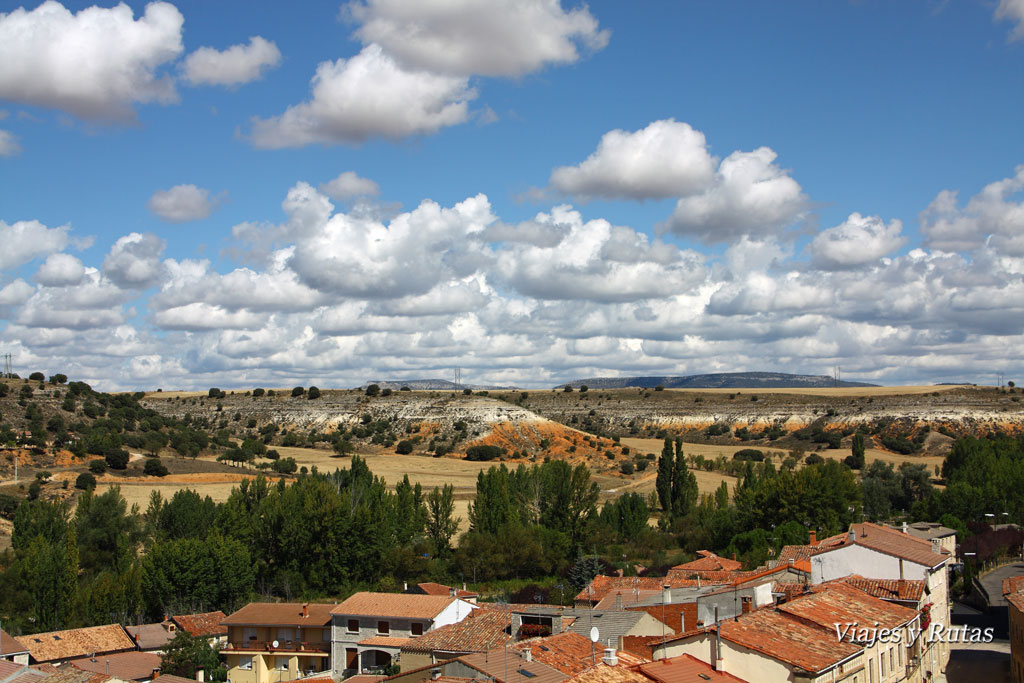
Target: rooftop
[204,624]
[430,588]
[685,669]
[708,561]
[493,664]
[876,537]
[128,666]
[601,585]
[838,602]
[889,589]
[152,636]
[602,673]
[311,614]
[482,630]
[10,646]
[396,605]
[567,652]
[788,639]
[78,642]
[927,530]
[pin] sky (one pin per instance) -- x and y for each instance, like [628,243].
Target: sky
[241,194]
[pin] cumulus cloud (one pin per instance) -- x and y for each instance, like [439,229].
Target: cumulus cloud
[857,241]
[16,293]
[486,37]
[236,65]
[9,146]
[26,240]
[182,203]
[134,261]
[348,185]
[60,270]
[95,64]
[1012,10]
[989,216]
[665,159]
[369,95]
[750,196]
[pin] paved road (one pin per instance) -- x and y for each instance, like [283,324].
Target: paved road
[984,661]
[993,582]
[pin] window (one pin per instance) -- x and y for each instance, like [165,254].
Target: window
[353,625]
[892,660]
[417,628]
[245,663]
[881,664]
[383,627]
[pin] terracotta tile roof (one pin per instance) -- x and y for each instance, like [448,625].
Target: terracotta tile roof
[676,616]
[384,641]
[8,668]
[888,589]
[128,666]
[788,639]
[482,630]
[880,538]
[78,642]
[1013,584]
[640,646]
[621,598]
[359,678]
[10,646]
[567,652]
[429,588]
[758,576]
[708,561]
[30,675]
[1017,600]
[602,673]
[151,636]
[788,589]
[707,576]
[72,674]
[838,602]
[280,614]
[396,605]
[685,669]
[602,585]
[493,664]
[204,625]
[171,678]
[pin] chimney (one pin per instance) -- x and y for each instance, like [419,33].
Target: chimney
[200,675]
[814,537]
[435,674]
[405,586]
[528,654]
[451,591]
[305,610]
[905,528]
[936,546]
[156,673]
[734,557]
[852,536]
[791,562]
[610,658]
[666,594]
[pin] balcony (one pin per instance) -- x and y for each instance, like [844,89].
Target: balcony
[311,647]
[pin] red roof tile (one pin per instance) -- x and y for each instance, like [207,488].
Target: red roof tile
[708,561]
[567,652]
[384,641]
[396,605]
[888,589]
[879,538]
[676,616]
[838,602]
[788,639]
[128,666]
[281,614]
[685,669]
[429,588]
[204,625]
[10,646]
[602,585]
[482,630]
[602,673]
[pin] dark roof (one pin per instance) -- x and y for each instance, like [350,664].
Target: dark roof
[152,636]
[281,614]
[610,624]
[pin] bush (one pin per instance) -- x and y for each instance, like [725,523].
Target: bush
[404,447]
[58,379]
[484,453]
[748,454]
[85,481]
[813,459]
[98,466]
[405,389]
[117,459]
[584,388]
[285,466]
[214,392]
[37,377]
[567,389]
[314,392]
[386,392]
[373,390]
[298,391]
[257,392]
[467,392]
[660,387]
[627,467]
[154,468]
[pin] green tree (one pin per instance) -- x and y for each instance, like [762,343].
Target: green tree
[186,655]
[663,482]
[108,534]
[441,521]
[373,390]
[684,485]
[856,459]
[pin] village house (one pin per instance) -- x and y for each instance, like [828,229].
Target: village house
[11,650]
[137,667]
[685,669]
[208,625]
[430,588]
[277,642]
[483,630]
[16,672]
[368,630]
[57,647]
[1013,591]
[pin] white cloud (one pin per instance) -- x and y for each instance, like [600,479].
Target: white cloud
[16,293]
[665,159]
[236,65]
[857,241]
[989,216]
[134,261]
[60,270]
[9,146]
[1012,10]
[26,240]
[366,96]
[485,37]
[182,203]
[750,196]
[348,185]
[200,316]
[94,64]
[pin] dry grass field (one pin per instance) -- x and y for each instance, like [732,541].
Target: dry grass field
[839,392]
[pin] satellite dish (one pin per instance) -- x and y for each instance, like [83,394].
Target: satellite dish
[594,635]
[276,644]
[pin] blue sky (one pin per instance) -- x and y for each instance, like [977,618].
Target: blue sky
[529,190]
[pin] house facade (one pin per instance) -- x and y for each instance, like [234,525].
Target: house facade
[277,642]
[368,630]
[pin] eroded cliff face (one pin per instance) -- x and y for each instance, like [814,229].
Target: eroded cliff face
[560,423]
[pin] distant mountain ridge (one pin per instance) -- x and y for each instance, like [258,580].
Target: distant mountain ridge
[721,380]
[431,385]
